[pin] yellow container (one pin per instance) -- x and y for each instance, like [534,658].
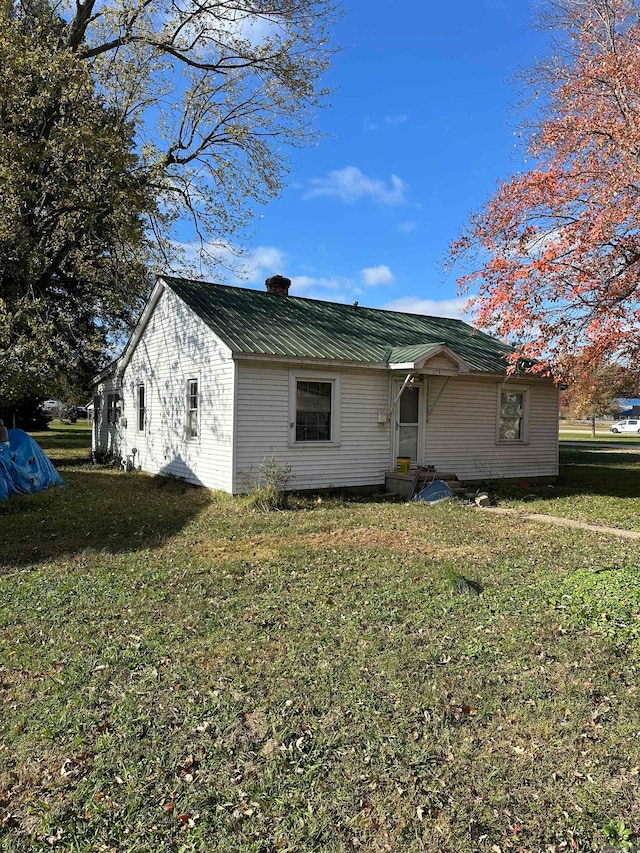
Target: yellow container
[403,464]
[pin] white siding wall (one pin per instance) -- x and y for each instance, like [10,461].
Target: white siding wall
[263,429]
[105,437]
[460,436]
[441,362]
[177,346]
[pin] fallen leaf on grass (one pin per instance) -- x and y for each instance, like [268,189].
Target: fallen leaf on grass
[55,839]
[187,769]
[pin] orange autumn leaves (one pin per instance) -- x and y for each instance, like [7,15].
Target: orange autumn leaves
[554,257]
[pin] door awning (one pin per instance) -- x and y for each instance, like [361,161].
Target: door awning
[438,359]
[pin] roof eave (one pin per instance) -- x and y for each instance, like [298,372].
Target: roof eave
[401,365]
[106,371]
[310,360]
[141,325]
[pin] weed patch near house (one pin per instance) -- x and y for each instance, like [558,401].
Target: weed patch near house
[180,674]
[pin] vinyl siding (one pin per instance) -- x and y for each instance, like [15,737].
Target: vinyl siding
[460,435]
[362,457]
[106,438]
[440,362]
[177,346]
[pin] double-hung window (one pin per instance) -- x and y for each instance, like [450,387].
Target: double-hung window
[113,408]
[142,411]
[513,415]
[193,401]
[314,402]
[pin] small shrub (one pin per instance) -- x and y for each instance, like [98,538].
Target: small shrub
[106,458]
[268,491]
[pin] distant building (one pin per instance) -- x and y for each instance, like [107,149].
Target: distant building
[627,407]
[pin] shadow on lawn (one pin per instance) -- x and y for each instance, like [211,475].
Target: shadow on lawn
[63,445]
[598,472]
[101,510]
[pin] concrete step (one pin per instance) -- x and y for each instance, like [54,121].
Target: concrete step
[406,485]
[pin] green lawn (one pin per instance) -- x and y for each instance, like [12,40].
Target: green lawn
[180,673]
[599,486]
[604,438]
[66,442]
[575,430]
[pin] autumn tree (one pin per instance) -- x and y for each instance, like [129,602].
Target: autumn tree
[593,392]
[119,119]
[554,257]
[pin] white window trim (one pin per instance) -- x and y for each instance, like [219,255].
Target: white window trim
[516,389]
[193,438]
[142,385]
[117,409]
[335,379]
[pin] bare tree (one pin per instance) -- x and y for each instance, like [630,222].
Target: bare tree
[217,90]
[118,120]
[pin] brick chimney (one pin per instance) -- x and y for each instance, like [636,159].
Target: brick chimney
[278,284]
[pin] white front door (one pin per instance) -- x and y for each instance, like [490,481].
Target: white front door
[407,432]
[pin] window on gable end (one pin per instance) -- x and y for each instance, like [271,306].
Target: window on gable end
[142,411]
[193,406]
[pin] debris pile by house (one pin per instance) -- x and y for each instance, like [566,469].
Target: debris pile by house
[435,492]
[24,466]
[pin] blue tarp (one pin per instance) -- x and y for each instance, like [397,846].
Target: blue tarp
[434,493]
[25,467]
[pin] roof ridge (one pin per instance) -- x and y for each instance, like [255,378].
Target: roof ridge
[265,293]
[250,321]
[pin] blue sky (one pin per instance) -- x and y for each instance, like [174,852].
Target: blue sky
[419,132]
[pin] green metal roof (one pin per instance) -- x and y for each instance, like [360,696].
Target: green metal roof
[414,352]
[262,323]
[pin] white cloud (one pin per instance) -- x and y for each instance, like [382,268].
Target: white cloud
[264,261]
[226,262]
[407,226]
[256,29]
[330,288]
[396,119]
[391,120]
[374,276]
[306,285]
[350,185]
[453,308]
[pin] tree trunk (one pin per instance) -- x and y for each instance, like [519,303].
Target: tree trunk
[593,426]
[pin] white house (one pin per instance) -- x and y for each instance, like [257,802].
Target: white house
[215,380]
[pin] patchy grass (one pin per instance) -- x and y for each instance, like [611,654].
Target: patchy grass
[595,485]
[600,438]
[178,673]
